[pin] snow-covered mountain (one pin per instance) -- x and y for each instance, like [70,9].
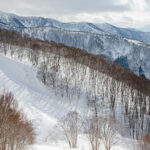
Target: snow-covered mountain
[126,32]
[13,21]
[145,28]
[117,44]
[50,79]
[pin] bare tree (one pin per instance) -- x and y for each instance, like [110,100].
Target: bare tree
[112,92]
[100,130]
[16,131]
[71,125]
[108,133]
[94,104]
[144,143]
[92,130]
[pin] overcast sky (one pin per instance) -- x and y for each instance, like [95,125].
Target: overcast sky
[125,13]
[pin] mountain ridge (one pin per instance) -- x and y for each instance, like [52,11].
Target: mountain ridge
[74,26]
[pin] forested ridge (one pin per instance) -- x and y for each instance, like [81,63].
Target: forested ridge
[96,62]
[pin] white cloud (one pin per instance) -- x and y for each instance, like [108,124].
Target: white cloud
[131,13]
[139,5]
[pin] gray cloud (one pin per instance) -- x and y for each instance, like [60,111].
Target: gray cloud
[111,11]
[84,6]
[63,6]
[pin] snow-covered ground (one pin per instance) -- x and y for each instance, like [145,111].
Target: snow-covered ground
[42,107]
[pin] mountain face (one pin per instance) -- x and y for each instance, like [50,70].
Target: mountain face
[103,39]
[77,78]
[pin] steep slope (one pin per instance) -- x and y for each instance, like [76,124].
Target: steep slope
[40,104]
[37,102]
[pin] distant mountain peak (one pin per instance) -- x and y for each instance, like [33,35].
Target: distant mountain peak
[145,28]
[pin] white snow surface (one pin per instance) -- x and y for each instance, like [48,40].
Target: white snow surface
[42,107]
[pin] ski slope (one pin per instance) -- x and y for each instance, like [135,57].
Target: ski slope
[41,105]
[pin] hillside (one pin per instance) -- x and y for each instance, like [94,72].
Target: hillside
[41,105]
[51,79]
